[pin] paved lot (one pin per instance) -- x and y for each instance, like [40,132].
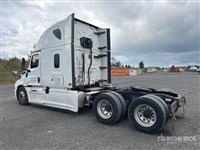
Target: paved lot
[34,127]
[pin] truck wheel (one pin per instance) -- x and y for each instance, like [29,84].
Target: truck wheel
[147,114]
[22,96]
[107,108]
[123,102]
[164,104]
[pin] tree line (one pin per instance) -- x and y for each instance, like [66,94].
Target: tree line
[117,64]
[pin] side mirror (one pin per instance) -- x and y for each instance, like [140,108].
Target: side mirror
[14,72]
[23,63]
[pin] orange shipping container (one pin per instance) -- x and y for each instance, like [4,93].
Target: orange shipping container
[120,72]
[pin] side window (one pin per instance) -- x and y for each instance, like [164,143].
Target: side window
[57,33]
[56,61]
[35,61]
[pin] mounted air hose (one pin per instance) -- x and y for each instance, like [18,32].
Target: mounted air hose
[87,43]
[89,66]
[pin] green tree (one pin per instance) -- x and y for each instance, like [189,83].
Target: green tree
[141,65]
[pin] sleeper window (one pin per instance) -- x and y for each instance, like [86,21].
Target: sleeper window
[56,61]
[57,33]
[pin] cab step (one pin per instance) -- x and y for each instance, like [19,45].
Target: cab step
[100,55]
[103,47]
[99,33]
[102,67]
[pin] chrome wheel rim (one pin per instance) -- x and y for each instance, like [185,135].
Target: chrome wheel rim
[105,109]
[145,115]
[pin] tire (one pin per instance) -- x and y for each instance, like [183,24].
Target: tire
[110,102]
[22,96]
[123,102]
[161,100]
[164,104]
[139,116]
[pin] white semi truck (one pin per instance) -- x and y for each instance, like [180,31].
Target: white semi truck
[70,68]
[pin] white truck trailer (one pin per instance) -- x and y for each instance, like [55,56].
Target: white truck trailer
[70,68]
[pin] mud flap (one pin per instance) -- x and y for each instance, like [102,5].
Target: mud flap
[179,102]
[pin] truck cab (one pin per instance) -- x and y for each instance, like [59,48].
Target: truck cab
[69,56]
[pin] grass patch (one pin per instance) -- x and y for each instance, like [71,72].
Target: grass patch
[6,68]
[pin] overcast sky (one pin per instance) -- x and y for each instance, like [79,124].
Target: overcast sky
[158,33]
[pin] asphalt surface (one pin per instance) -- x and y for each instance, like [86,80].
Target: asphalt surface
[34,127]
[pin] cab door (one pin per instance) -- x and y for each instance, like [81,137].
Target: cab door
[33,77]
[35,92]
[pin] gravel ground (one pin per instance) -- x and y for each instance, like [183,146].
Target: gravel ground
[34,127]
